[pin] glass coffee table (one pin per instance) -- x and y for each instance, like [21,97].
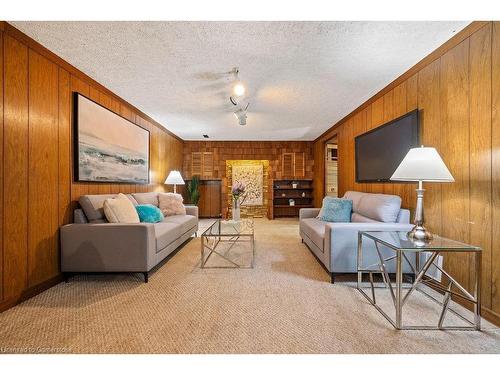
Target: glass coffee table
[228,244]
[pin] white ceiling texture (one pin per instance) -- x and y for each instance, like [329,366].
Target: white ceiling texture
[300,77]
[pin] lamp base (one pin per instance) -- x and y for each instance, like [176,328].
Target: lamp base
[420,234]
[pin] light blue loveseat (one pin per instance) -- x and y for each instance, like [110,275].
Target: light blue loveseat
[335,244]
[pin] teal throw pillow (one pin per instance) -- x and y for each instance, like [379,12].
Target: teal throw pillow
[149,213]
[336,210]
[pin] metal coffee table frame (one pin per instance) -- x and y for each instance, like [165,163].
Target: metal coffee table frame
[419,278]
[213,236]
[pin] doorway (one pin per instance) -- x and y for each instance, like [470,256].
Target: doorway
[331,168]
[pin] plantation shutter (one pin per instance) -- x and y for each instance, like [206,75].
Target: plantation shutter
[196,163]
[208,164]
[299,164]
[288,164]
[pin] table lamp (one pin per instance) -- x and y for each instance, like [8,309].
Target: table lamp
[422,164]
[174,178]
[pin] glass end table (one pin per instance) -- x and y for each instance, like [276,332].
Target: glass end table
[402,248]
[228,240]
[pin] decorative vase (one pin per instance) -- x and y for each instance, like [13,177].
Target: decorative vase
[236,210]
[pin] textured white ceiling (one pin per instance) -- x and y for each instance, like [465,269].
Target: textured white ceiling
[301,77]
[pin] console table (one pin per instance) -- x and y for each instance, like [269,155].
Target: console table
[403,248]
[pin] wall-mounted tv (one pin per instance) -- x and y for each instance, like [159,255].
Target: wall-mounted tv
[379,151]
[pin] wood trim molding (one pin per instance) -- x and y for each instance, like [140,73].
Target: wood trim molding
[437,53]
[10,30]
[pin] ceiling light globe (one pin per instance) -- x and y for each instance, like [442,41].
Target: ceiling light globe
[239,89]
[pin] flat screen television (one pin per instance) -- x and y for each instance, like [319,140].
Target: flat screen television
[379,151]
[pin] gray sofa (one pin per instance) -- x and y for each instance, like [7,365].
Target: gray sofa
[92,244]
[335,244]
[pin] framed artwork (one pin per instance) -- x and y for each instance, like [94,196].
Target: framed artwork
[252,177]
[108,148]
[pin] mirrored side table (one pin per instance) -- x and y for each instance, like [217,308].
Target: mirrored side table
[405,251]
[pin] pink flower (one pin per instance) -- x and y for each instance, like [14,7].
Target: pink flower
[238,188]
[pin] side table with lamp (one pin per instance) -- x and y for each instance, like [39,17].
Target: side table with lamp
[422,164]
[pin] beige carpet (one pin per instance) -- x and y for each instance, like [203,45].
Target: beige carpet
[284,305]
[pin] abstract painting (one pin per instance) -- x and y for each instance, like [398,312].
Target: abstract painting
[252,177]
[108,147]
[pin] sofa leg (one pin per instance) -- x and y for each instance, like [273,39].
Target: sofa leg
[66,276]
[332,275]
[146,277]
[302,240]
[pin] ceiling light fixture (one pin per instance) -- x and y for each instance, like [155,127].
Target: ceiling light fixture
[239,92]
[239,89]
[241,115]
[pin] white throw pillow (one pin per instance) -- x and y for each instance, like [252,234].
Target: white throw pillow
[171,204]
[120,210]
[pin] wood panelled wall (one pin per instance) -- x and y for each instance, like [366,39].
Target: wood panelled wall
[247,150]
[457,91]
[37,193]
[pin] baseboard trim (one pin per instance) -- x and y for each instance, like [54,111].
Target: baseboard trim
[490,316]
[30,292]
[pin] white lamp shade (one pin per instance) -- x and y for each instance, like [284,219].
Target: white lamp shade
[174,178]
[422,164]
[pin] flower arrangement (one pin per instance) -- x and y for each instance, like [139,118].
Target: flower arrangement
[237,191]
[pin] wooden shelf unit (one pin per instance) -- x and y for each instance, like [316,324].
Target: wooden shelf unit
[283,191]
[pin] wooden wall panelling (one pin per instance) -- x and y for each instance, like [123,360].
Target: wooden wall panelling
[454,102]
[77,188]
[367,119]
[161,162]
[480,153]
[154,165]
[15,203]
[388,188]
[495,256]
[358,128]
[168,165]
[430,121]
[162,165]
[411,104]
[1,166]
[319,169]
[348,155]
[341,139]
[65,147]
[377,120]
[399,109]
[165,166]
[43,184]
